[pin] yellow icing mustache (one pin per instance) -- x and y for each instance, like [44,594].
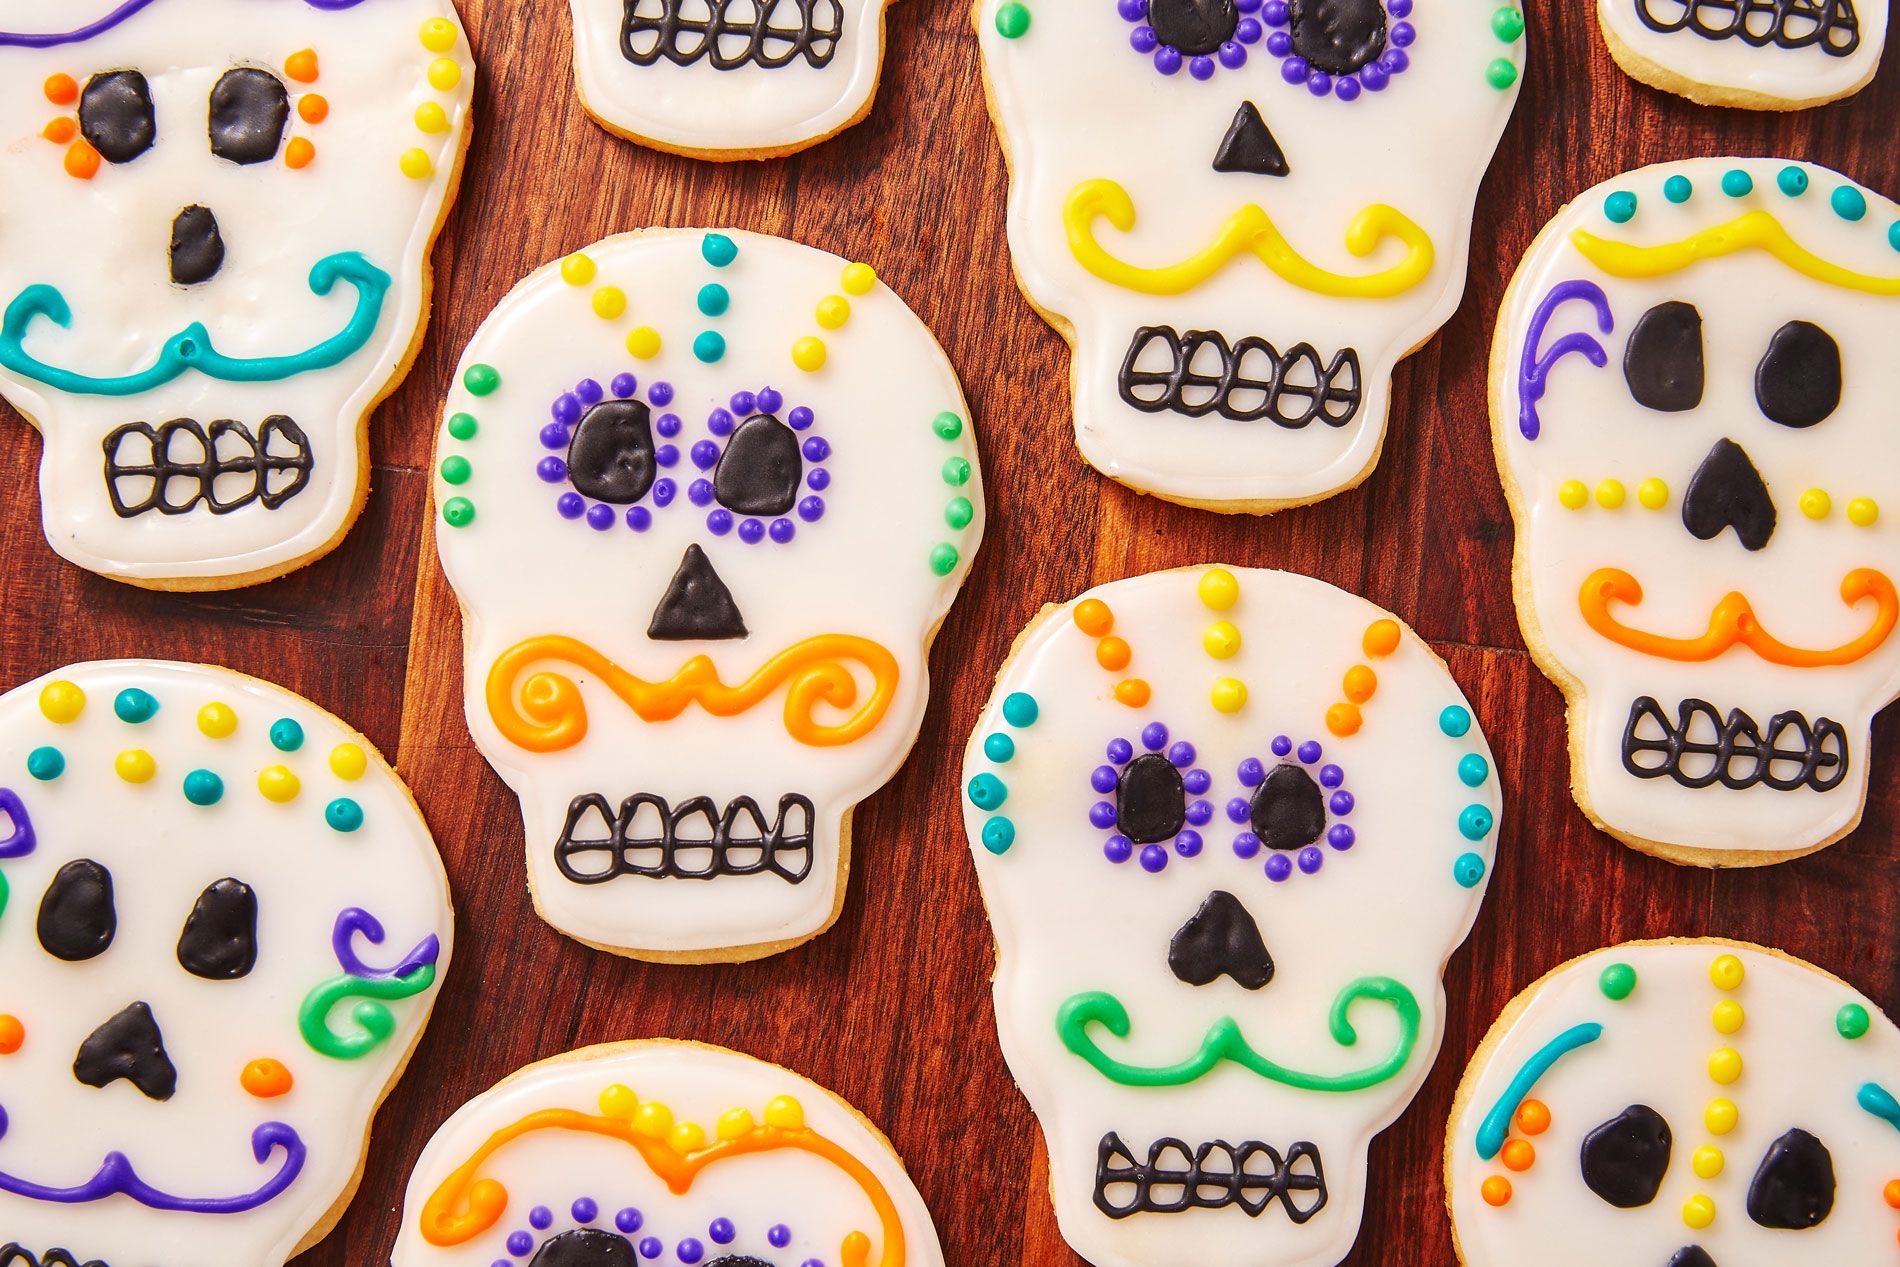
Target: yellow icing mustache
[1247,231]
[1754,230]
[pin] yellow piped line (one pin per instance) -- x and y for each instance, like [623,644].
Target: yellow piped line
[1753,230]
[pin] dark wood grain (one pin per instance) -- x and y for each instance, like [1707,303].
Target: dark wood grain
[891,1008]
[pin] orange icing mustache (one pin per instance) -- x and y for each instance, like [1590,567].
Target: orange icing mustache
[1734,621]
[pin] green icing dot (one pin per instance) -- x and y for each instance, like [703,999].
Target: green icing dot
[46,764]
[463,426]
[1793,181]
[343,814]
[456,469]
[999,834]
[1852,1021]
[1473,769]
[1019,709]
[286,735]
[3,893]
[1618,982]
[1501,74]
[1849,203]
[481,380]
[943,558]
[1468,870]
[135,706]
[987,791]
[1620,206]
[1454,721]
[947,425]
[959,513]
[956,471]
[714,299]
[1507,24]
[709,346]
[999,748]
[719,249]
[458,512]
[202,787]
[1737,183]
[1012,21]
[1678,189]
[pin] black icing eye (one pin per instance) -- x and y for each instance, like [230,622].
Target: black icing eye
[1288,810]
[759,472]
[1193,27]
[611,456]
[1625,1159]
[1338,36]
[1150,800]
[116,115]
[1794,1187]
[1663,362]
[249,108]
[1158,796]
[1798,382]
[585,1247]
[77,918]
[220,938]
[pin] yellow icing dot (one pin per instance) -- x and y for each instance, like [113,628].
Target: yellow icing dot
[444,73]
[687,1137]
[1721,1116]
[1218,589]
[578,269]
[1726,972]
[833,311]
[858,279]
[1653,493]
[431,117]
[1728,1016]
[347,761]
[277,783]
[1230,695]
[1573,494]
[618,1101]
[1725,1065]
[416,165]
[609,302]
[61,701]
[653,1119]
[785,1112]
[217,721]
[644,343]
[1815,503]
[808,354]
[1708,1161]
[135,765]
[734,1123]
[1221,639]
[1610,494]
[1862,511]
[438,35]
[1698,1211]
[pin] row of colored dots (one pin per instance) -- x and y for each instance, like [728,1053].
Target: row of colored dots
[1093,617]
[959,511]
[1219,590]
[809,353]
[713,299]
[481,381]
[1475,821]
[610,303]
[1847,201]
[313,108]
[988,792]
[1381,639]
[1653,494]
[1726,973]
[439,36]
[1532,1118]
[1507,24]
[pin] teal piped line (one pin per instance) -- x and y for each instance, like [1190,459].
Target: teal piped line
[1879,1101]
[1497,1123]
[191,348]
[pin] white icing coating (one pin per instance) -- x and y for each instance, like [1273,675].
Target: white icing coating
[863,569]
[1766,75]
[1075,103]
[103,244]
[749,110]
[1067,920]
[162,851]
[1797,1072]
[816,1203]
[1593,430]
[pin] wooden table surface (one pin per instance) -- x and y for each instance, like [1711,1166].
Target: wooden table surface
[891,1007]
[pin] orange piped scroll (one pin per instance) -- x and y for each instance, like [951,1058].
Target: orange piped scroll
[550,715]
[1734,621]
[464,1206]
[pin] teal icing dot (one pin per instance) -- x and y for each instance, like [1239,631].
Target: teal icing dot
[714,299]
[1849,203]
[1737,183]
[1475,822]
[1473,770]
[1793,181]
[998,835]
[1454,721]
[1893,235]
[1620,206]
[719,249]
[999,748]
[709,346]
[987,792]
[202,787]
[46,764]
[134,705]
[1468,870]
[1019,709]
[286,735]
[343,814]
[1678,189]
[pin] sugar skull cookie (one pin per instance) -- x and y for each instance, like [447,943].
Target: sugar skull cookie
[659,1152]
[214,262]
[1695,1103]
[1229,825]
[704,498]
[222,926]
[1242,215]
[1754,54]
[728,79]
[1689,390]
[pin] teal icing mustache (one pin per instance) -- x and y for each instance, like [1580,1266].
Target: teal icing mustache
[191,348]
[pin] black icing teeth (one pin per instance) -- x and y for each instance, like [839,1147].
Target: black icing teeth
[1176,1178]
[693,840]
[1200,373]
[732,33]
[178,466]
[14,1254]
[1787,24]
[1701,747]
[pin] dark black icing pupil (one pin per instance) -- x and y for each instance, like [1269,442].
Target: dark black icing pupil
[249,108]
[1338,36]
[1193,27]
[610,458]
[1798,382]
[128,1046]
[116,115]
[77,918]
[585,1247]
[759,471]
[1625,1159]
[1794,1188]
[697,604]
[197,251]
[1663,362]
[1150,801]
[220,938]
[1220,938]
[1727,492]
[1289,811]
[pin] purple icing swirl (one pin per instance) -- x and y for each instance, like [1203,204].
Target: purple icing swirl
[355,919]
[21,841]
[116,1177]
[79,35]
[1535,368]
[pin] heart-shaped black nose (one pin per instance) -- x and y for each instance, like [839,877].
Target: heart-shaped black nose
[128,1046]
[697,604]
[1221,939]
[197,251]
[1727,492]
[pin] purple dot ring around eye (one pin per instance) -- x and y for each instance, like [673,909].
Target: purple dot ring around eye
[1183,829]
[1334,800]
[1371,75]
[1200,61]
[558,434]
[813,451]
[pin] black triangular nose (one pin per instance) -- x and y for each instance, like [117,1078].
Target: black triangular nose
[197,251]
[1220,938]
[1727,492]
[1692,1256]
[1249,146]
[128,1046]
[696,605]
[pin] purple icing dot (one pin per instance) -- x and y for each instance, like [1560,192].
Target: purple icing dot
[1346,88]
[1331,776]
[779,1236]
[589,391]
[600,517]
[1102,814]
[551,469]
[783,530]
[1154,736]
[1199,812]
[1281,745]
[1395,61]
[1120,751]
[816,449]
[663,491]
[721,1231]
[651,1247]
[699,492]
[1320,83]
[571,505]
[1252,772]
[818,480]
[1373,76]
[519,1243]
[1309,752]
[1279,867]
[639,518]
[629,1220]
[1246,845]
[770,400]
[668,425]
[812,1262]
[554,436]
[1247,6]
[501,1262]
[1197,781]
[1153,859]
[799,418]
[1279,43]
[1399,8]
[1187,843]
[541,1218]
[567,408]
[1340,836]
[1248,32]
[1238,810]
[719,522]
[660,393]
[1402,34]
[585,1209]
[1143,39]
[1311,859]
[1274,12]
[1232,55]
[1341,803]
[705,453]
[624,385]
[743,403]
[667,455]
[1132,10]
[1295,70]
[1167,61]
[690,1251]
[1181,755]
[812,509]
[751,531]
[1103,778]
[1201,68]
[1117,848]
[719,422]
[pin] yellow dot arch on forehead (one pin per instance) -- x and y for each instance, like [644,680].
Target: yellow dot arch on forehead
[1752,230]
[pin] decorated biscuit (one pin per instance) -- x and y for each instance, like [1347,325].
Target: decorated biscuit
[728,79]
[661,1153]
[1754,54]
[704,498]
[1693,1103]
[1229,825]
[1241,215]
[214,262]
[226,928]
[1689,371]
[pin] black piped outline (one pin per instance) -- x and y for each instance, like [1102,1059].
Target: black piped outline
[1334,405]
[1822,767]
[14,1254]
[817,45]
[1236,1185]
[259,462]
[1823,16]
[770,841]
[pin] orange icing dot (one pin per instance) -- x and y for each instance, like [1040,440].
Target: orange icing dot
[313,107]
[12,1034]
[1382,638]
[1113,654]
[60,130]
[299,153]
[1496,1190]
[1892,1193]
[1343,719]
[1360,683]
[302,66]
[1532,1117]
[62,89]
[1133,692]
[1093,618]
[82,160]
[265,1079]
[1519,1155]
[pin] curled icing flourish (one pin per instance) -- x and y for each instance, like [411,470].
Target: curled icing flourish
[355,919]
[191,348]
[1534,369]
[19,840]
[1497,1122]
[552,716]
[1225,1042]
[1754,230]
[1249,231]
[91,30]
[375,1023]
[1734,621]
[116,1177]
